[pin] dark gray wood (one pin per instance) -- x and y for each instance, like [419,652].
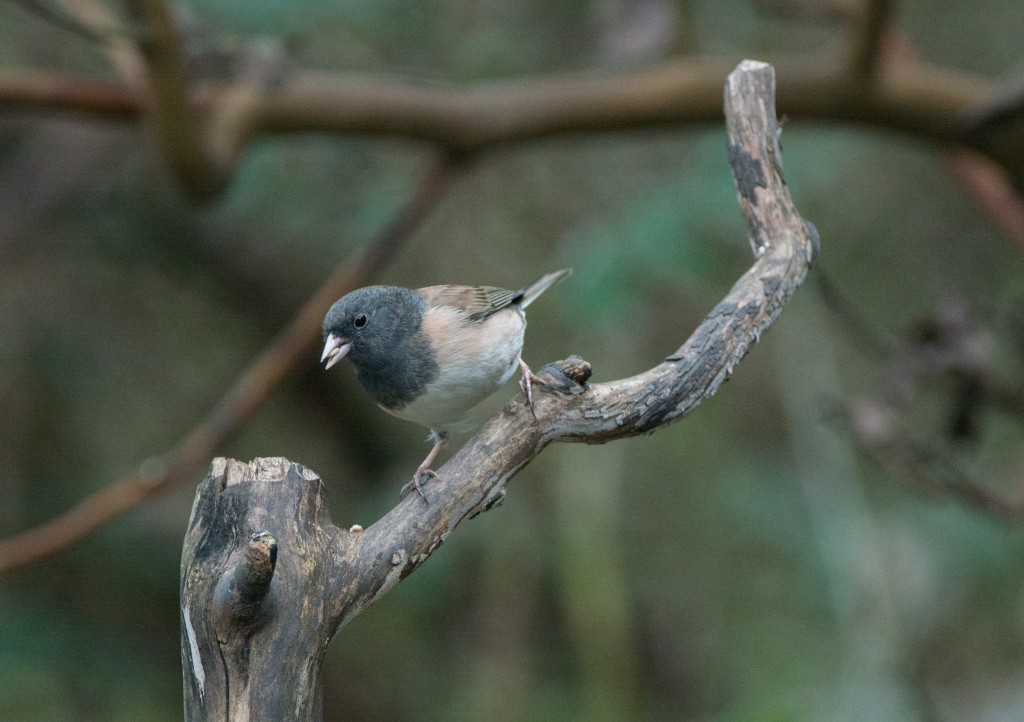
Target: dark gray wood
[255,628]
[255,569]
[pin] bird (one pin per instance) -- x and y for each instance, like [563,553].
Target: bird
[429,355]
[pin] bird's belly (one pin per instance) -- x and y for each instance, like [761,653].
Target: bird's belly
[469,371]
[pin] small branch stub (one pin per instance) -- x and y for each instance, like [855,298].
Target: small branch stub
[242,592]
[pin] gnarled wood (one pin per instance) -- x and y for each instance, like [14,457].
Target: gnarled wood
[256,568]
[255,632]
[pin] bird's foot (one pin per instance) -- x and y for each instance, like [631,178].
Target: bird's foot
[526,381]
[423,472]
[421,477]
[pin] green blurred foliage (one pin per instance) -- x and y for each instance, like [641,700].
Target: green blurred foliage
[743,565]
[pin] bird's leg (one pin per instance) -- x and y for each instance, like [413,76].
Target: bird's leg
[526,383]
[423,471]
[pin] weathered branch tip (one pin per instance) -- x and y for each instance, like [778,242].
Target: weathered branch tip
[241,593]
[568,376]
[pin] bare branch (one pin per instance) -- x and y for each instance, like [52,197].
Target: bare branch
[96,19]
[327,576]
[952,345]
[996,127]
[176,122]
[474,479]
[59,17]
[920,100]
[291,348]
[1004,107]
[100,98]
[924,467]
[991,189]
[866,44]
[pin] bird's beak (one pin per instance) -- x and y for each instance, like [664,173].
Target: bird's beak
[334,350]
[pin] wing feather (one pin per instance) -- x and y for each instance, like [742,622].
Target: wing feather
[477,303]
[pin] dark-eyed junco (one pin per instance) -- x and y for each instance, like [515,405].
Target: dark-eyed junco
[429,355]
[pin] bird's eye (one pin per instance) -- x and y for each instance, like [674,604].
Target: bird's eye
[360,320]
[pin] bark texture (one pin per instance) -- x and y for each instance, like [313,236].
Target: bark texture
[267,580]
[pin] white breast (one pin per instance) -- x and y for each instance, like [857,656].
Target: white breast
[474,361]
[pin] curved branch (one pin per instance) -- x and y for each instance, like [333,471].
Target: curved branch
[474,479]
[107,28]
[327,576]
[57,16]
[292,347]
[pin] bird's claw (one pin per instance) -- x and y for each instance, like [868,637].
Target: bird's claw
[418,480]
[526,381]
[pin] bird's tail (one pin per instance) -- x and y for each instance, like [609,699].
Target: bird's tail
[528,293]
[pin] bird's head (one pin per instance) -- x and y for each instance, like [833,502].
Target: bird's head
[370,324]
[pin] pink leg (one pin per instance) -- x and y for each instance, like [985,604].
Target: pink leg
[423,471]
[526,383]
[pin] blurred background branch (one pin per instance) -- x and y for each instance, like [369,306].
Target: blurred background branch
[920,101]
[177,125]
[869,32]
[914,98]
[952,350]
[290,348]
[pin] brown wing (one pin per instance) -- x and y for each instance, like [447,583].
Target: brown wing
[477,302]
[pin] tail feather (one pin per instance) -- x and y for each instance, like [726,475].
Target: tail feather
[529,293]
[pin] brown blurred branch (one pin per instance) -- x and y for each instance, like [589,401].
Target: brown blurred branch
[918,100]
[203,131]
[57,16]
[952,345]
[927,468]
[990,185]
[117,43]
[106,99]
[990,188]
[292,347]
[866,45]
[177,123]
[149,59]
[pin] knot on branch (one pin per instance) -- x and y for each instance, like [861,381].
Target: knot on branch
[568,376]
[243,590]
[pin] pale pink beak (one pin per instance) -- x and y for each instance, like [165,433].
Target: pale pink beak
[334,350]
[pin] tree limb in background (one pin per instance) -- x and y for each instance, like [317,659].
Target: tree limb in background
[866,43]
[204,130]
[177,124]
[922,101]
[292,347]
[926,467]
[95,19]
[952,347]
[263,650]
[990,185]
[148,56]
[56,15]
